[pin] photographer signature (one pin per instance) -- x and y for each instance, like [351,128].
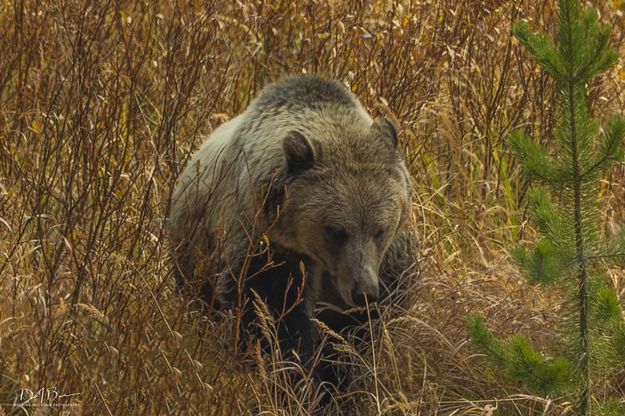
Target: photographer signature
[44,397]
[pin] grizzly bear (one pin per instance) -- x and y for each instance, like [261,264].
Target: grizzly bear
[300,201]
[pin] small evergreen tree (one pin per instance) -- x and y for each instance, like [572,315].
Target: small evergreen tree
[564,205]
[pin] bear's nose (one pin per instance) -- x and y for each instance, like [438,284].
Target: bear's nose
[358,296]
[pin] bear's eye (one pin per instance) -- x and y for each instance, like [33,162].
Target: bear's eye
[336,234]
[380,233]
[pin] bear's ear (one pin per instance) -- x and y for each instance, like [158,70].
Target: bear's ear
[386,129]
[299,152]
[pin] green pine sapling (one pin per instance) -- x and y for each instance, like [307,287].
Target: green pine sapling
[564,206]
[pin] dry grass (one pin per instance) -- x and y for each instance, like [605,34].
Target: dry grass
[101,104]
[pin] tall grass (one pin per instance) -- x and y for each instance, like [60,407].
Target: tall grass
[102,103]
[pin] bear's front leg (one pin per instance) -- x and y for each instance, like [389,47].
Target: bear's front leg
[275,279]
[289,293]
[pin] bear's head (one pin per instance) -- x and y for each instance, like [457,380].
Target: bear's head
[345,199]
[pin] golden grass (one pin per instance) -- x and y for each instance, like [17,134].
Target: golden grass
[101,104]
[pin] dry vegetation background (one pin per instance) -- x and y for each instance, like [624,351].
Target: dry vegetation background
[101,104]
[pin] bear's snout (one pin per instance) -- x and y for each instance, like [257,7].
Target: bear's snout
[368,288]
[360,299]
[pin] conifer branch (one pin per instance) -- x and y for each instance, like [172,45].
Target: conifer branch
[568,223]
